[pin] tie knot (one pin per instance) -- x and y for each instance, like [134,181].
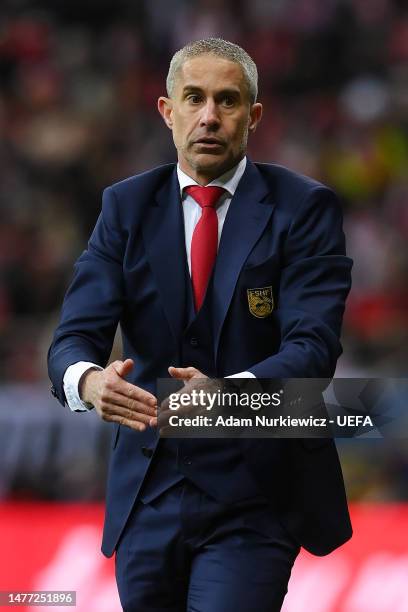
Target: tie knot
[205,196]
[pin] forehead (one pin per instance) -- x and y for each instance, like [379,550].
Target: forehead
[211,72]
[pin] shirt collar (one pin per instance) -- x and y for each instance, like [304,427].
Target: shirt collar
[228,181]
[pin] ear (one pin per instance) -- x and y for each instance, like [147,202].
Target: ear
[255,116]
[165,108]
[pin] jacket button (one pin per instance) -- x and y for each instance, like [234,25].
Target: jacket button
[187,460]
[194,342]
[147,452]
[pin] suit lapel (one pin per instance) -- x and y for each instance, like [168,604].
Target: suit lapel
[246,220]
[163,233]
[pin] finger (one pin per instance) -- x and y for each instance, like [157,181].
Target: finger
[112,411]
[127,422]
[117,400]
[165,404]
[182,373]
[134,393]
[122,368]
[165,415]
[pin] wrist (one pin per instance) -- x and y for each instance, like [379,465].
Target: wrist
[87,385]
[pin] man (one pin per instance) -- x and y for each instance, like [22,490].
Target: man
[215,267]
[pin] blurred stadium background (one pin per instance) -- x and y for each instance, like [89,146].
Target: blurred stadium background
[78,89]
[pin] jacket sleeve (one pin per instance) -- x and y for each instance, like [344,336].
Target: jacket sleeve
[314,284]
[92,306]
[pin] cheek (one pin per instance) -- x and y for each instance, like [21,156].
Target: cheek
[177,135]
[240,133]
[180,131]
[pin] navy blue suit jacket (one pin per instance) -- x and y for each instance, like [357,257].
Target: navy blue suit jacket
[282,230]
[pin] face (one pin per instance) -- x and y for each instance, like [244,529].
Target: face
[210,115]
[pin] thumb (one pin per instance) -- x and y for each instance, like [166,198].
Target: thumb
[122,368]
[181,373]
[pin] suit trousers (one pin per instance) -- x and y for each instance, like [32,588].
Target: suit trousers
[186,552]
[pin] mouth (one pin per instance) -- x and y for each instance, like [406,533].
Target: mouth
[209,142]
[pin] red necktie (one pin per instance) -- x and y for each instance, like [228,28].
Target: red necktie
[204,243]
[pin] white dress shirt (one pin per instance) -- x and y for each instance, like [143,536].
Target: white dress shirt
[192,210]
[192,213]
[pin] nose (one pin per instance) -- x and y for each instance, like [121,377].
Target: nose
[209,116]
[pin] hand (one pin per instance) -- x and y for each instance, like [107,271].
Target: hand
[186,373]
[194,380]
[115,399]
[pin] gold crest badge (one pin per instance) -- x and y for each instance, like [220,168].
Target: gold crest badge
[260,302]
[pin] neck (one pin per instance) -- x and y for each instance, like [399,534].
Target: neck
[205,177]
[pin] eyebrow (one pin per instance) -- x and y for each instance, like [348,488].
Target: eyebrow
[234,91]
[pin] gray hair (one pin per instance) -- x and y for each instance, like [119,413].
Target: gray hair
[220,48]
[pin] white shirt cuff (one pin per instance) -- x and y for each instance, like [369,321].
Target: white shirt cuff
[72,377]
[242,375]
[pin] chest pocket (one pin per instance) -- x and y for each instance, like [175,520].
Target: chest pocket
[259,286]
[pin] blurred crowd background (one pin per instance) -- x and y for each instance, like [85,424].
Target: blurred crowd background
[79,82]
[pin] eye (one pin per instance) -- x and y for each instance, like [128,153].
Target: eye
[228,100]
[194,98]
